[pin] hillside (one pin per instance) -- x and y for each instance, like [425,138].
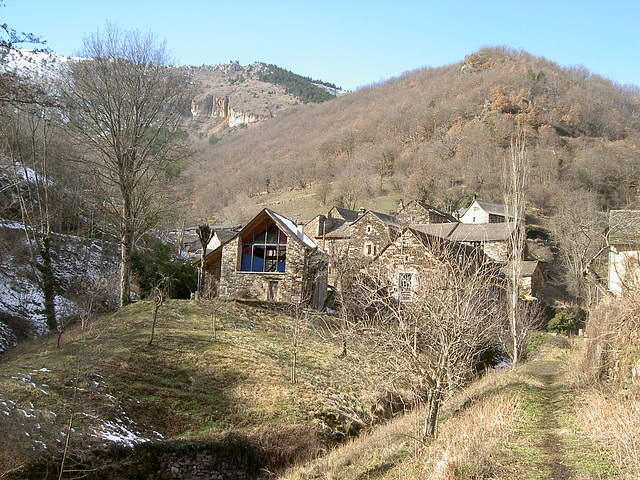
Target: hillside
[535,422]
[212,395]
[216,372]
[436,134]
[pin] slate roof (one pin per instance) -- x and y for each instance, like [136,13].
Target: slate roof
[225,235]
[493,208]
[624,227]
[431,208]
[346,214]
[339,230]
[468,232]
[489,207]
[290,229]
[527,268]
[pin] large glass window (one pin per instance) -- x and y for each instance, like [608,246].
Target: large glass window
[264,249]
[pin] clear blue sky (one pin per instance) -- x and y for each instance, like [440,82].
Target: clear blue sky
[352,43]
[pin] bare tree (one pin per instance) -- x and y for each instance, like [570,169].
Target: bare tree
[430,336]
[579,229]
[516,180]
[27,142]
[126,103]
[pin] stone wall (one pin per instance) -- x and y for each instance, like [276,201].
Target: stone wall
[407,255]
[415,213]
[497,250]
[368,231]
[303,268]
[200,466]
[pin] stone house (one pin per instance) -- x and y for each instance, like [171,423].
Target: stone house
[414,256]
[532,279]
[484,212]
[416,212]
[492,238]
[624,250]
[372,232]
[270,259]
[332,231]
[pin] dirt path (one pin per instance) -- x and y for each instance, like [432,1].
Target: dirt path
[549,398]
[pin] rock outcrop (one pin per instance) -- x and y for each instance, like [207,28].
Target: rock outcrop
[212,107]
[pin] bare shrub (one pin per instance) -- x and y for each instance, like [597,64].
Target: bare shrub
[613,423]
[609,368]
[613,345]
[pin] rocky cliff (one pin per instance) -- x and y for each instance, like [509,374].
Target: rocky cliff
[219,108]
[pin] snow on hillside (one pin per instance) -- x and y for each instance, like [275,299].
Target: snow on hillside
[82,268]
[35,64]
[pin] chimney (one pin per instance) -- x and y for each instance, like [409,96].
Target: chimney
[362,211]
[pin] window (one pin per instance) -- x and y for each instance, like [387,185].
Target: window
[405,286]
[264,249]
[272,291]
[369,229]
[369,249]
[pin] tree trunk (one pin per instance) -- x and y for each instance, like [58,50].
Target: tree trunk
[126,247]
[48,283]
[433,408]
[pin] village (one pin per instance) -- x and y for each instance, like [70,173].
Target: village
[274,259]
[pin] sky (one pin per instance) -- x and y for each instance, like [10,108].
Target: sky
[352,43]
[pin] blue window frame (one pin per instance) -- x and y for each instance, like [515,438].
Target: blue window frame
[264,249]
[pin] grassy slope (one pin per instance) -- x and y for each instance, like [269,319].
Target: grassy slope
[186,386]
[510,425]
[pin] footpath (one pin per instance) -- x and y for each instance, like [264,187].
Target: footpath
[557,449]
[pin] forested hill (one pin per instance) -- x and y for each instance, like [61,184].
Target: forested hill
[439,135]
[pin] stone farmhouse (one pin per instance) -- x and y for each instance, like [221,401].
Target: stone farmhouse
[624,250]
[414,256]
[491,238]
[269,259]
[274,259]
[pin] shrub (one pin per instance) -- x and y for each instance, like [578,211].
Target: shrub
[152,265]
[564,322]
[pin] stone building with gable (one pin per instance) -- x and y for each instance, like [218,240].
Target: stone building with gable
[416,212]
[414,256]
[270,259]
[485,212]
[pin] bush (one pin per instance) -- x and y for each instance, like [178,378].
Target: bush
[563,323]
[152,265]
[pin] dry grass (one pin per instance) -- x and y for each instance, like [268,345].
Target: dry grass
[487,414]
[605,369]
[511,424]
[186,386]
[613,424]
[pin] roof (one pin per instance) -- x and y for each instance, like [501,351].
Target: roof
[431,208]
[290,229]
[468,232]
[489,207]
[446,247]
[341,231]
[527,268]
[224,235]
[624,227]
[346,214]
[493,208]
[384,218]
